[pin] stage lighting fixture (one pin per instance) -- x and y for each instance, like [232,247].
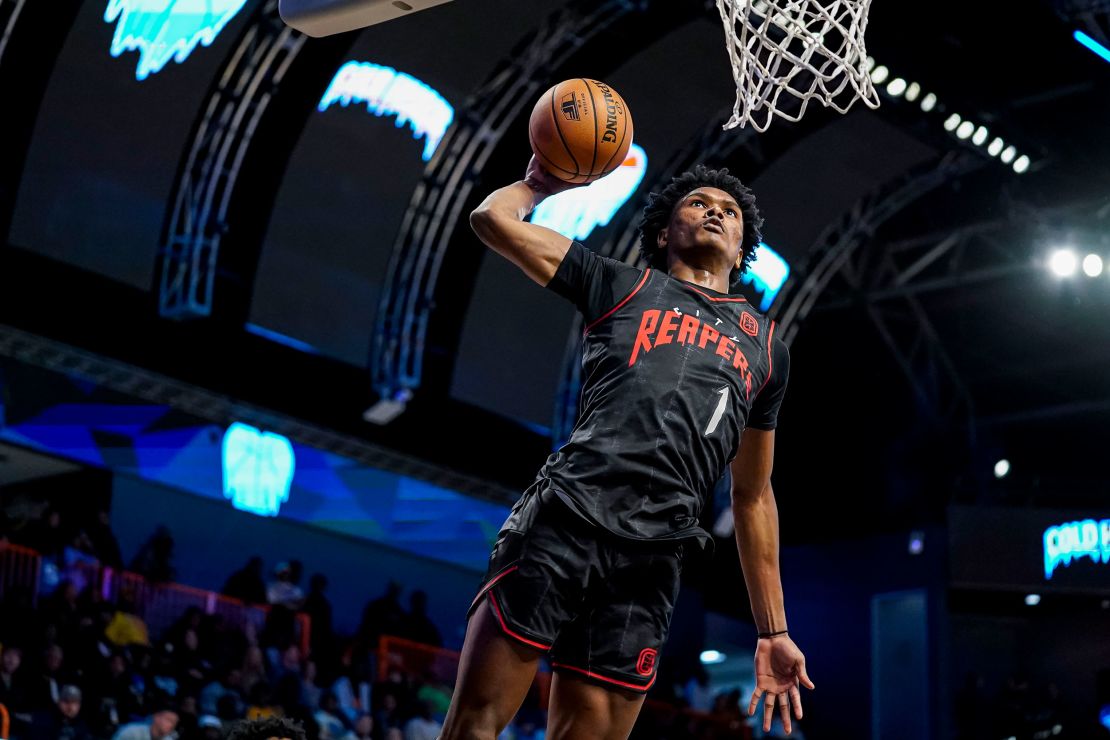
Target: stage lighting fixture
[965,130]
[1063,262]
[952,122]
[1092,265]
[1032,599]
[1021,164]
[879,75]
[896,87]
[928,102]
[917,542]
[913,91]
[980,136]
[1008,155]
[712,657]
[995,147]
[1002,468]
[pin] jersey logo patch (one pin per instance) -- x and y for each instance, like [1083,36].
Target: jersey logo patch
[646,663]
[748,324]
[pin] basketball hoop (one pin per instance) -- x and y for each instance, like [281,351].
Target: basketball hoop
[785,53]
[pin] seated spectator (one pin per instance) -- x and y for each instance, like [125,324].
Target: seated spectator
[273,728]
[61,721]
[422,726]
[14,693]
[161,725]
[330,718]
[247,583]
[229,684]
[210,728]
[363,730]
[45,688]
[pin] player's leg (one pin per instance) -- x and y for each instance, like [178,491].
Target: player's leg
[605,659]
[495,673]
[580,708]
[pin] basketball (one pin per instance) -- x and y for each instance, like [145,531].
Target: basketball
[580,130]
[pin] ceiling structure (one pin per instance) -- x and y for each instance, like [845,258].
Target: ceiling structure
[928,340]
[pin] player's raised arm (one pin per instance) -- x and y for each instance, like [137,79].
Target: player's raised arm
[499,223]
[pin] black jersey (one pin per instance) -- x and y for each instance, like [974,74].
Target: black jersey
[672,374]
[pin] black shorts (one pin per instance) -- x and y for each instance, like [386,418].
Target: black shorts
[599,603]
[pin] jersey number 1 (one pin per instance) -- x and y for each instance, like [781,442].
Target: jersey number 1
[717,412]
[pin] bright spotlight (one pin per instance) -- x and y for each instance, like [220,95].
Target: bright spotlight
[879,74]
[896,87]
[712,657]
[928,102]
[1092,265]
[1008,154]
[917,542]
[995,147]
[1021,164]
[913,91]
[980,136]
[1032,599]
[965,129]
[1001,468]
[1063,262]
[952,122]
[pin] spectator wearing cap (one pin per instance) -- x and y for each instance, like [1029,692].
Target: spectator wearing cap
[284,590]
[210,727]
[62,721]
[161,725]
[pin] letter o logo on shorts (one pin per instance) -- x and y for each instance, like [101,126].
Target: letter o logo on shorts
[646,663]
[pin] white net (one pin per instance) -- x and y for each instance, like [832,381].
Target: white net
[787,52]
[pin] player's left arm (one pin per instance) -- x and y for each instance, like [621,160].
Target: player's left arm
[780,667]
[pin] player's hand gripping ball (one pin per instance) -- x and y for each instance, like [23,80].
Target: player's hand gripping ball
[580,130]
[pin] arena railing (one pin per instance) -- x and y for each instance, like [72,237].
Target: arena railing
[159,605]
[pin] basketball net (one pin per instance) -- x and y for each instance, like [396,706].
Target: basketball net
[787,52]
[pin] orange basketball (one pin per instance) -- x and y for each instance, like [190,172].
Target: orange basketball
[580,130]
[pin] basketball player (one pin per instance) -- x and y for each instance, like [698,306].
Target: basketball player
[681,378]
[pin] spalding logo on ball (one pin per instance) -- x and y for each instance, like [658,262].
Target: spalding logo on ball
[580,130]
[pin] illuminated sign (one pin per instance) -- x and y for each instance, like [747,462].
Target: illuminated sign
[576,212]
[767,273]
[1083,539]
[161,30]
[258,469]
[388,92]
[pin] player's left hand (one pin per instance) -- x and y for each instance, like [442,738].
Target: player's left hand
[780,671]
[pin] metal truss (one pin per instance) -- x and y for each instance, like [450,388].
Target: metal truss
[433,214]
[1094,15]
[245,87]
[9,16]
[218,409]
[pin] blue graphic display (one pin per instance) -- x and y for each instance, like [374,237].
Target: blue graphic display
[1093,45]
[767,274]
[258,469]
[1083,539]
[156,443]
[387,92]
[576,212]
[161,30]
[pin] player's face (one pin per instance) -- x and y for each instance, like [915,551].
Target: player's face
[706,218]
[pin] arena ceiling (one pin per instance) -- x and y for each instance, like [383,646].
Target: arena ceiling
[937,345]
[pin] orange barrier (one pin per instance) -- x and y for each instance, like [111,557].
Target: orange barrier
[416,659]
[5,723]
[20,567]
[159,605]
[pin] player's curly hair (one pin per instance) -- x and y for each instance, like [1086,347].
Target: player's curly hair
[660,207]
[264,729]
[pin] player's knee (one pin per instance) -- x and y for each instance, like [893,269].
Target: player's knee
[475,723]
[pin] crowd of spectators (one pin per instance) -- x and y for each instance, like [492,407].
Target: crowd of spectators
[76,666]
